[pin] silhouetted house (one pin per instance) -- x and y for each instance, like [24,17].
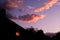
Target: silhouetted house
[8,27]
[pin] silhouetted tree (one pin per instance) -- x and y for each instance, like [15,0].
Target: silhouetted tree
[41,36]
[57,37]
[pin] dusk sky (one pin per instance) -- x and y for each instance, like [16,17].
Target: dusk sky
[41,14]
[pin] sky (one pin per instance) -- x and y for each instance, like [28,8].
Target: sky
[40,14]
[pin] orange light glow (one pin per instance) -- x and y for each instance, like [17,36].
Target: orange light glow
[17,34]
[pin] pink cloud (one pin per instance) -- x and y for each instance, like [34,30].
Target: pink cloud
[47,5]
[12,3]
[25,18]
[30,18]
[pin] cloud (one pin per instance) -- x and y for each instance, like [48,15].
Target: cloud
[12,3]
[47,5]
[30,18]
